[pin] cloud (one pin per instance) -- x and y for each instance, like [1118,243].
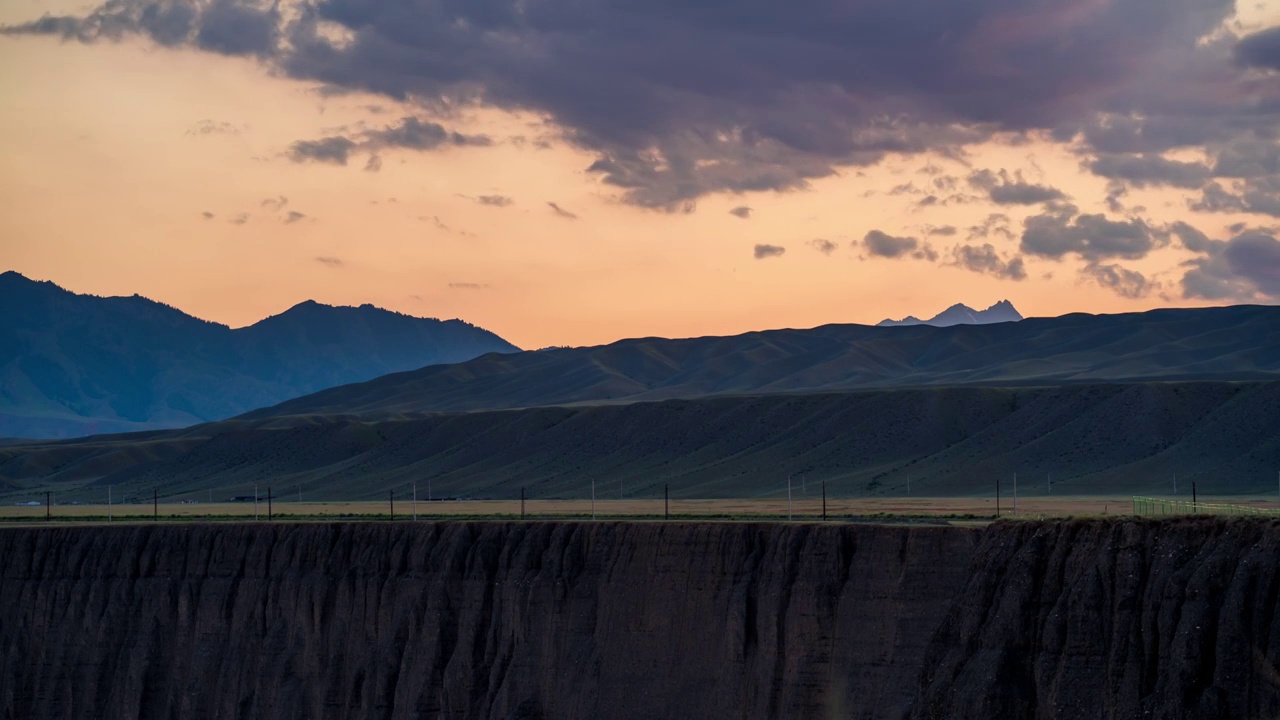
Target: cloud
[293,216]
[334,150]
[207,215]
[826,247]
[1259,195]
[330,261]
[239,218]
[1245,268]
[1261,49]
[943,230]
[1011,189]
[881,244]
[210,127]
[756,97]
[468,286]
[1061,231]
[275,203]
[1143,170]
[984,259]
[561,211]
[410,133]
[993,224]
[763,252]
[1124,282]
[495,200]
[907,188]
[742,211]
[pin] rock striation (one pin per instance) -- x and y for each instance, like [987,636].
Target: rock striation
[641,620]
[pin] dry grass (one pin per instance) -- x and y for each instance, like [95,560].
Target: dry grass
[745,509]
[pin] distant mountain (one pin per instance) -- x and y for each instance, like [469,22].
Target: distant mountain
[961,314]
[80,364]
[1231,343]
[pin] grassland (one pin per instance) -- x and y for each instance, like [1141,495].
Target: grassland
[717,509]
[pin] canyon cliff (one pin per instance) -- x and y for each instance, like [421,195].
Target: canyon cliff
[641,620]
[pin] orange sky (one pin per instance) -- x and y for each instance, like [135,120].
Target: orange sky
[105,174]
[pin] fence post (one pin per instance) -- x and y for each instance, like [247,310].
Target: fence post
[997,496]
[666,502]
[269,513]
[824,501]
[1193,497]
[155,505]
[521,502]
[48,515]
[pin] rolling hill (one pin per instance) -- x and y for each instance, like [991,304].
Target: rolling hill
[1229,343]
[1109,439]
[79,364]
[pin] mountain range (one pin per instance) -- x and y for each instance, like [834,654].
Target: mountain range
[1232,343]
[961,314]
[80,364]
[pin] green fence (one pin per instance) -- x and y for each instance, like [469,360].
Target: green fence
[1162,506]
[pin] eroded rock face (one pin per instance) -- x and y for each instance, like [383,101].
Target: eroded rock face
[641,620]
[1113,620]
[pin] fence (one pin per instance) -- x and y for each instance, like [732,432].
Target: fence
[1145,506]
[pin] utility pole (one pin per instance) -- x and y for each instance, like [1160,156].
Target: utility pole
[666,502]
[270,515]
[155,505]
[1048,483]
[788,498]
[299,494]
[415,502]
[824,501]
[1015,493]
[255,502]
[1175,484]
[908,483]
[593,500]
[997,496]
[1194,509]
[391,500]
[48,515]
[521,502]
[108,503]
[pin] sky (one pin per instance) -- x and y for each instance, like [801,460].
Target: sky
[573,172]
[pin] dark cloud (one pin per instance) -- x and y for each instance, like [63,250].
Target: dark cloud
[1141,170]
[239,218]
[207,215]
[294,216]
[907,188]
[757,96]
[1123,281]
[495,200]
[1191,238]
[409,134]
[1255,257]
[330,261]
[763,252]
[1061,231]
[330,150]
[1257,195]
[468,286]
[1005,188]
[944,230]
[881,244]
[415,134]
[1245,268]
[1261,49]
[275,203]
[984,259]
[741,211]
[826,247]
[561,211]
